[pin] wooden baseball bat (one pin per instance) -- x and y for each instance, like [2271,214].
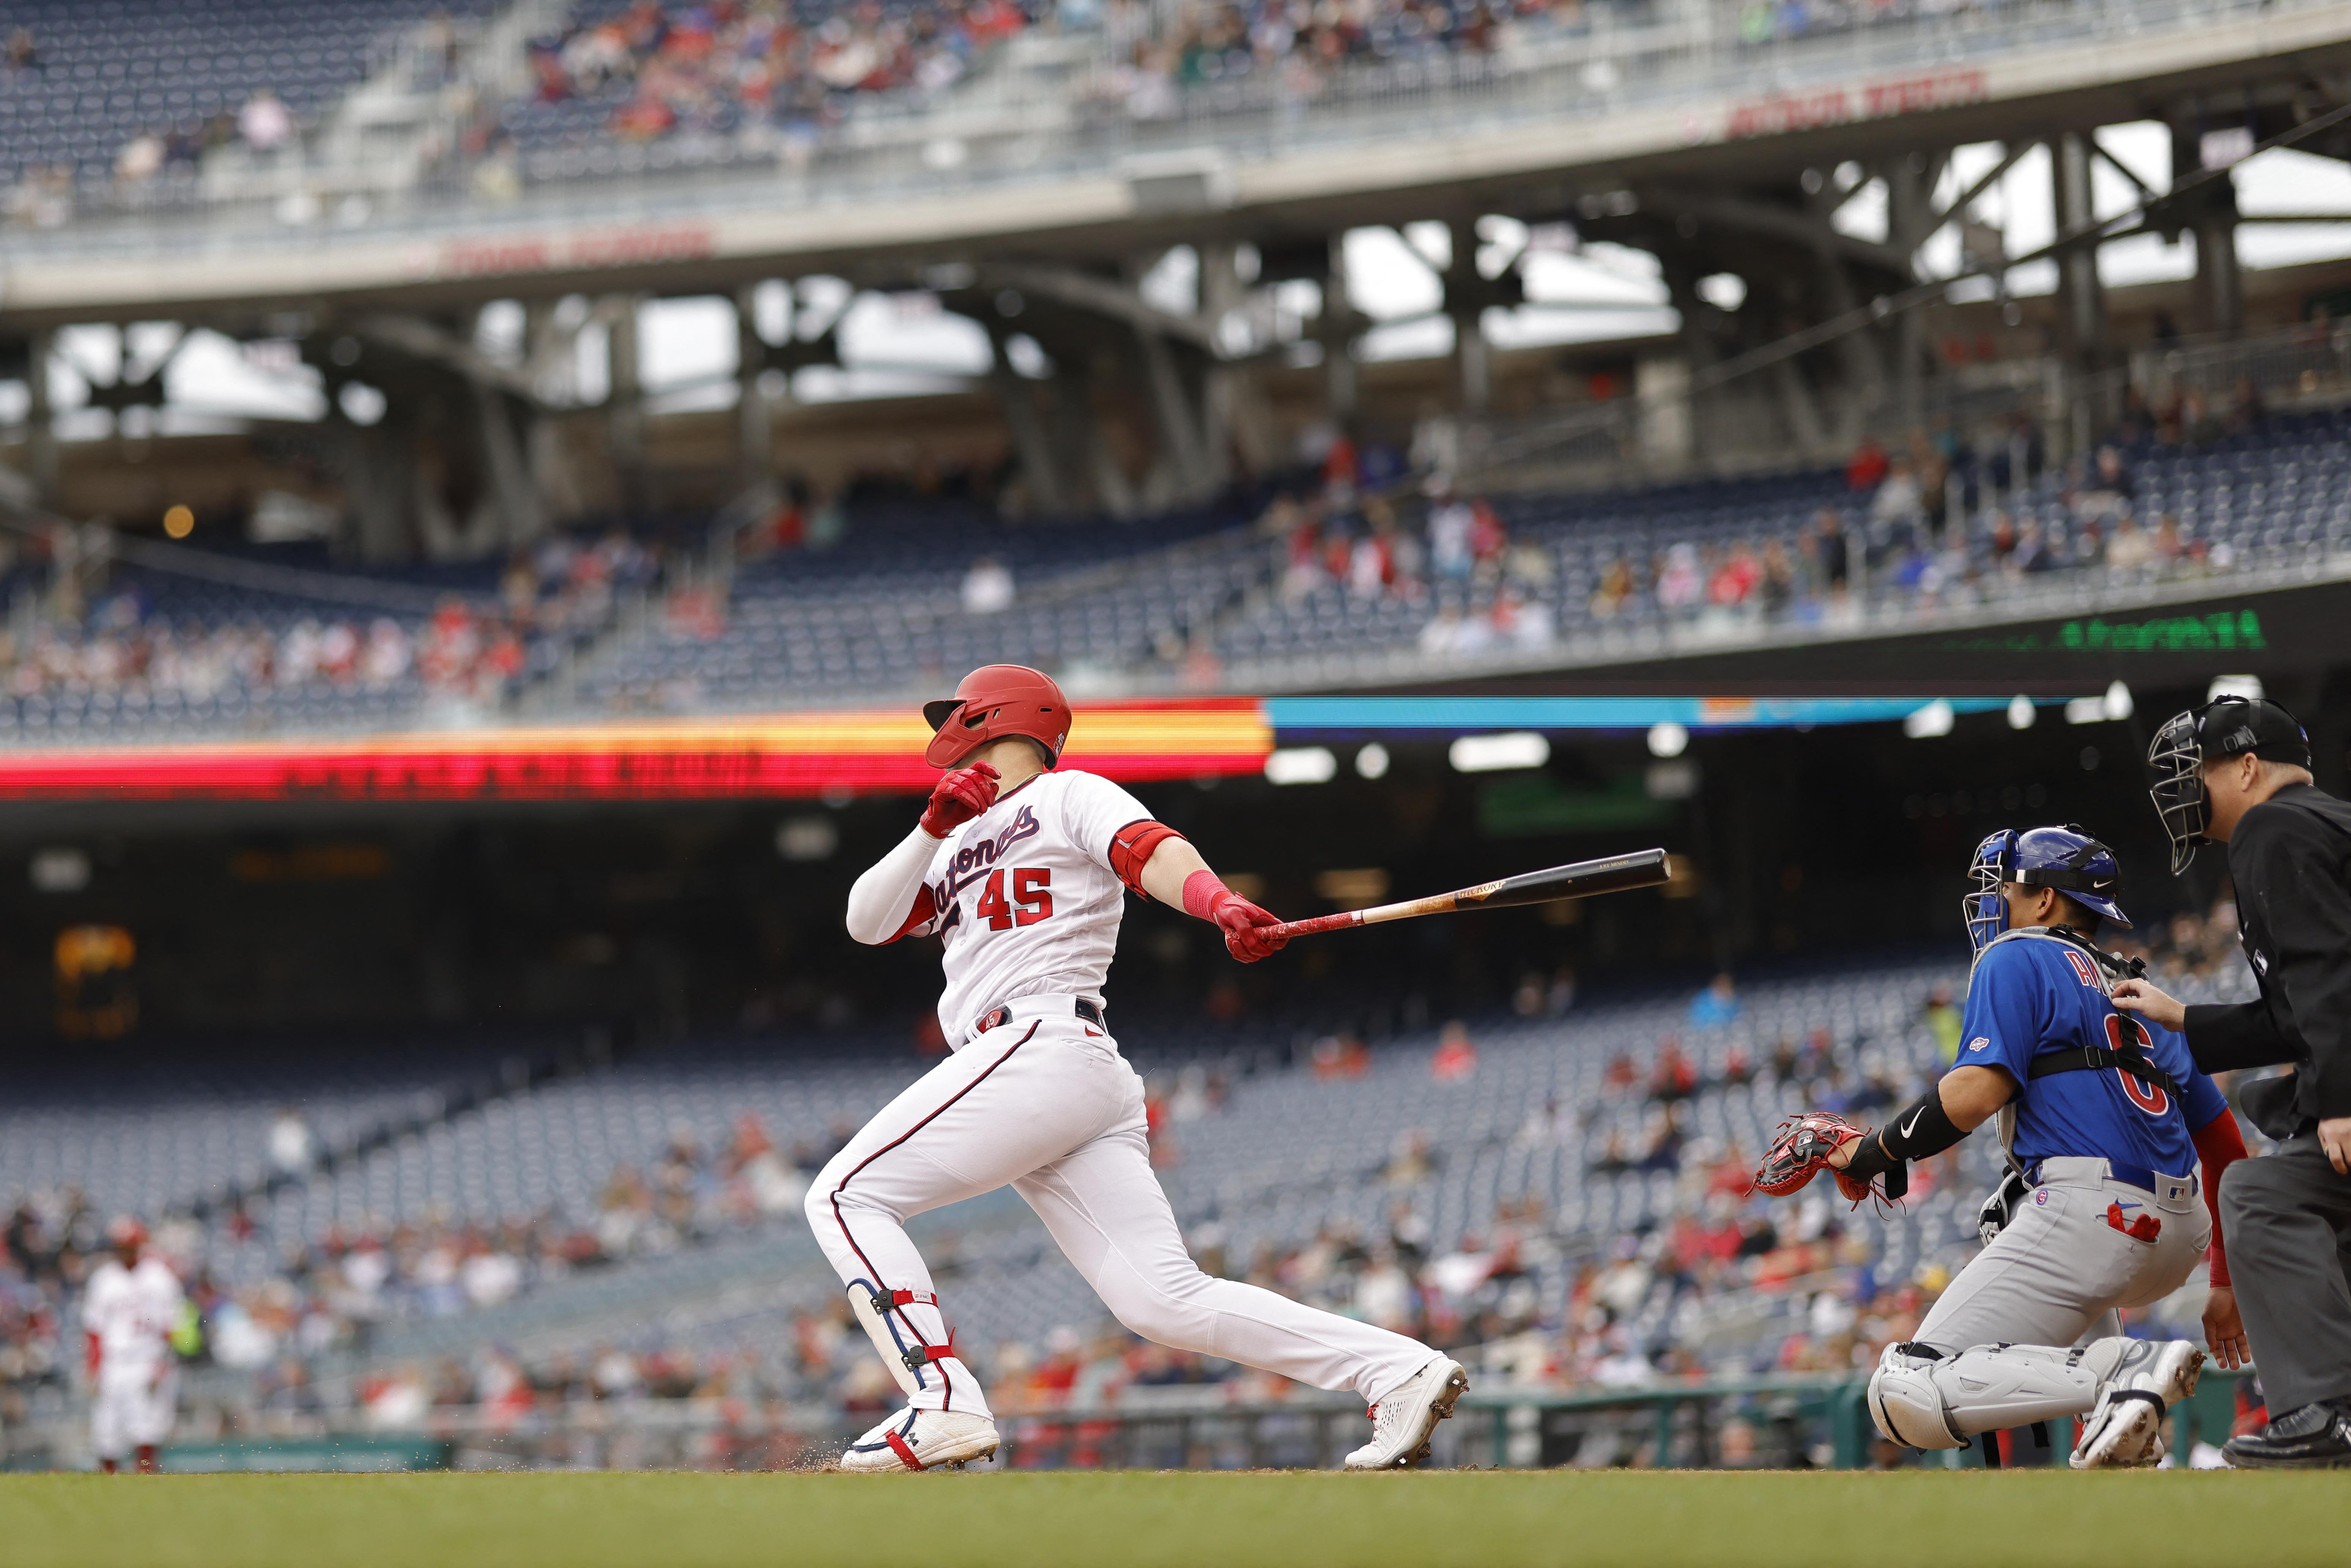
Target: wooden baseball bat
[1643,868]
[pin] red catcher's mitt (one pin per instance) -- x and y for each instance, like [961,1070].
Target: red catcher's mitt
[1799,1151]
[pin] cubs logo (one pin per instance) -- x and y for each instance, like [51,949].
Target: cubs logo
[1981,1042]
[2041,1197]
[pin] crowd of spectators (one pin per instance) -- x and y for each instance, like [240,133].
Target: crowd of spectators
[1941,521]
[334,1290]
[1528,1302]
[468,648]
[725,64]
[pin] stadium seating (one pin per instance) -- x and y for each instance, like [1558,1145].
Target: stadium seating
[891,606]
[1283,1161]
[101,75]
[885,607]
[223,641]
[881,612]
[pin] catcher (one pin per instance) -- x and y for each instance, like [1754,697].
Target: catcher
[2104,1121]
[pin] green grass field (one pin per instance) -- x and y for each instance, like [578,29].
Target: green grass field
[1913,1519]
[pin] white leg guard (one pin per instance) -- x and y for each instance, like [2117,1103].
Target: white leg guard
[2140,1382]
[1925,1400]
[911,1334]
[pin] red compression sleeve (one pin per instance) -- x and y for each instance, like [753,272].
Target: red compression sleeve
[2219,1144]
[1200,891]
[1132,847]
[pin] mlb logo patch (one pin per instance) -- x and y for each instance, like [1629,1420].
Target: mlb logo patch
[1980,1044]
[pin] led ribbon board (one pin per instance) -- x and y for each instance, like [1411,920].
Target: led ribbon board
[1304,718]
[780,756]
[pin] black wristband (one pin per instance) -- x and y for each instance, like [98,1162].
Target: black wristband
[1870,1161]
[1925,1129]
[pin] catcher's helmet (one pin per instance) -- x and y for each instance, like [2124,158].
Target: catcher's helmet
[2066,859]
[995,701]
[2229,726]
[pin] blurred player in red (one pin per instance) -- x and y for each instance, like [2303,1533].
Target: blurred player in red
[127,1313]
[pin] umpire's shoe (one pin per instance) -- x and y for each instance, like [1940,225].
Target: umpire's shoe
[2313,1437]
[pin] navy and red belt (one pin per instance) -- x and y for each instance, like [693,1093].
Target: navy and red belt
[995,1018]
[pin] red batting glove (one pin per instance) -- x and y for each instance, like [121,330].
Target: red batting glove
[1244,924]
[959,797]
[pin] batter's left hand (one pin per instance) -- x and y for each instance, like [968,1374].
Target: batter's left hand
[2224,1329]
[1244,925]
[2335,1138]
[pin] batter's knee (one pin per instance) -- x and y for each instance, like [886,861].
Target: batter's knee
[823,1217]
[1160,1312]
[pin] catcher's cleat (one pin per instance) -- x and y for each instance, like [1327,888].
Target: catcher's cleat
[1799,1151]
[2124,1429]
[1402,1422]
[923,1440]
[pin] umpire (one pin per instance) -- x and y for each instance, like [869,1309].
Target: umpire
[2237,771]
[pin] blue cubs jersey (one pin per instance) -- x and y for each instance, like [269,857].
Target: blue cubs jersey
[2032,996]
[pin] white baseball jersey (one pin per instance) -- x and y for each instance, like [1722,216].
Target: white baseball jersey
[132,1312]
[1025,897]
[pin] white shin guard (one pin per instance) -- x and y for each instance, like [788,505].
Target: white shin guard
[908,1329]
[1925,1400]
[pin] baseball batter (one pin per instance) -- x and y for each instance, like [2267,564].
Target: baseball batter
[2105,1123]
[1023,868]
[128,1312]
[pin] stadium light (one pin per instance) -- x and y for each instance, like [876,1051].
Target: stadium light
[1372,761]
[2117,702]
[1667,739]
[806,839]
[2021,712]
[1301,765]
[1494,753]
[1925,724]
[2246,686]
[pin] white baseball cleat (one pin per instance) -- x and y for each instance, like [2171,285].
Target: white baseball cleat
[2124,1429]
[1402,1422]
[923,1440]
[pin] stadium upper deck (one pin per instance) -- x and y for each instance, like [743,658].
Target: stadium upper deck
[1554,110]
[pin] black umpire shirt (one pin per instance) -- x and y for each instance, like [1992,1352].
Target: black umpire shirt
[2291,859]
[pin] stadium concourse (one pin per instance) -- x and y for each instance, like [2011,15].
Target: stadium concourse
[1559,1195]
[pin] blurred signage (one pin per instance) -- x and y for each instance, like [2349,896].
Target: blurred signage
[1778,113]
[636,244]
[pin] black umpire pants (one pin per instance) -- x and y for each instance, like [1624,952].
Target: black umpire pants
[2287,1219]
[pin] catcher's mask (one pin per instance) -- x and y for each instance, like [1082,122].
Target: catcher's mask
[2066,859]
[2229,726]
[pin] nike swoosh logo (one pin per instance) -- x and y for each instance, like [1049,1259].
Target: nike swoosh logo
[1912,1124]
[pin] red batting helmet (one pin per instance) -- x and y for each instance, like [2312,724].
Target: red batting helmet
[995,701]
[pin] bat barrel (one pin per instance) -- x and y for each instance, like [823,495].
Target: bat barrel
[1584,879]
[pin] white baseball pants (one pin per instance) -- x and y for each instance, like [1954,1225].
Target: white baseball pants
[131,1408]
[1048,1105]
[2055,1275]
